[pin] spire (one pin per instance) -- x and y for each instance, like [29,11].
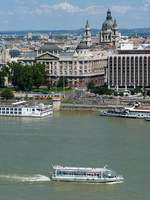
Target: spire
[87,24]
[115,24]
[87,34]
[109,17]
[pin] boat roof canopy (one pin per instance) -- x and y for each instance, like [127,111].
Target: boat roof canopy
[58,167]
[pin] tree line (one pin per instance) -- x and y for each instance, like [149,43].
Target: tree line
[23,77]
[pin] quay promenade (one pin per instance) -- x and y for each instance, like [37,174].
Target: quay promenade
[100,103]
[84,107]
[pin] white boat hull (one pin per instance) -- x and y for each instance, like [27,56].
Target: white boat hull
[87,180]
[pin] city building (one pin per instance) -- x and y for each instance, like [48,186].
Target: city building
[109,34]
[4,56]
[129,69]
[80,66]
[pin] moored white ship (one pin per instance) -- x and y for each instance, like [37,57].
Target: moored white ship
[25,109]
[128,112]
[89,175]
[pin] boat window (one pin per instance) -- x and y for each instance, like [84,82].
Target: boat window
[79,173]
[98,174]
[109,174]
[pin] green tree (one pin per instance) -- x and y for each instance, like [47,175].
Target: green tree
[2,79]
[91,85]
[102,90]
[27,83]
[62,82]
[38,75]
[148,92]
[7,94]
[21,76]
[4,72]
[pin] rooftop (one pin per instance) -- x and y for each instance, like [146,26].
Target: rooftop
[141,51]
[79,168]
[50,47]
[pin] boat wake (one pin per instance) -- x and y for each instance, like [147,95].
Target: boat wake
[25,178]
[112,183]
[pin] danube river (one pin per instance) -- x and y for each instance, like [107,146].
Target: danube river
[28,148]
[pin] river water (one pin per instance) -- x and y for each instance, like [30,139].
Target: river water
[29,147]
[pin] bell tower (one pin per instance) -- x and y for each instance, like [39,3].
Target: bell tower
[87,34]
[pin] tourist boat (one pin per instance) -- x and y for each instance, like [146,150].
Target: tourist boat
[89,175]
[25,109]
[128,112]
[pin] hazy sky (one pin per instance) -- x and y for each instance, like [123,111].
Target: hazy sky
[71,14]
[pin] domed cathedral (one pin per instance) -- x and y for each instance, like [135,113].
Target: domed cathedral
[110,33]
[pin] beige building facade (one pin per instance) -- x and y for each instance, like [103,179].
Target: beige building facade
[79,67]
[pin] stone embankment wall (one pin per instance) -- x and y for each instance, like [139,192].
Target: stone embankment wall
[81,107]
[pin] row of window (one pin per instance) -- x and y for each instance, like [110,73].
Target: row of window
[10,113]
[11,109]
[129,58]
[78,173]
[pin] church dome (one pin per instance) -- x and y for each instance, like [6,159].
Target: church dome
[82,45]
[108,24]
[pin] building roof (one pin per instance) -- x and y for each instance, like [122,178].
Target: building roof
[50,47]
[82,45]
[30,54]
[134,51]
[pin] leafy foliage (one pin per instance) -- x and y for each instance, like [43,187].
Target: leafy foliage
[62,82]
[38,75]
[7,94]
[103,90]
[24,77]
[2,79]
[91,85]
